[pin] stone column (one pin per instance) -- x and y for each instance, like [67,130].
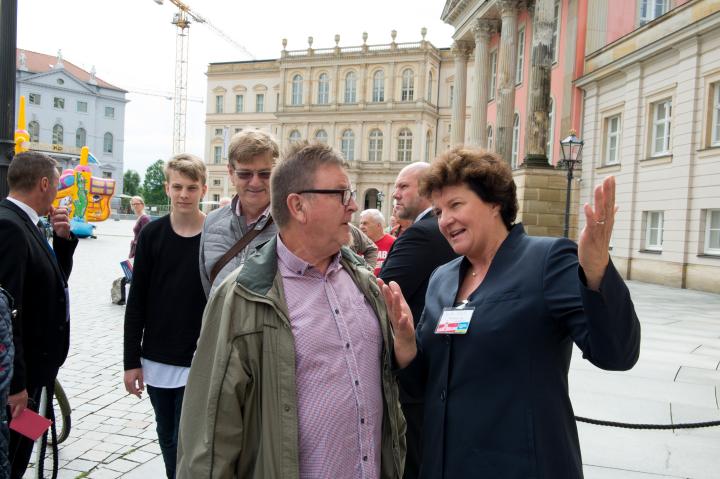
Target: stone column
[505,96]
[459,51]
[482,29]
[536,131]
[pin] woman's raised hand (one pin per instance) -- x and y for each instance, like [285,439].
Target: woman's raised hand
[594,241]
[402,323]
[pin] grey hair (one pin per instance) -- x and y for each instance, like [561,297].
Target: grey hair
[374,214]
[246,145]
[29,167]
[296,172]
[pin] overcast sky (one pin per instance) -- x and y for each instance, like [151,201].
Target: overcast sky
[131,43]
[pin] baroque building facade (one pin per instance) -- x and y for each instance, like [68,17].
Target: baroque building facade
[67,108]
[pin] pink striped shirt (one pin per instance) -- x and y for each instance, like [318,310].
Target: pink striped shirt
[338,344]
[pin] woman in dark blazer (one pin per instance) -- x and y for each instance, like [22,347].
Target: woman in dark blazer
[496,397]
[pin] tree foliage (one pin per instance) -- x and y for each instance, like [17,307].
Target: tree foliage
[153,189]
[131,183]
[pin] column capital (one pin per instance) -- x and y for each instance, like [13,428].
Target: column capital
[483,28]
[460,49]
[508,7]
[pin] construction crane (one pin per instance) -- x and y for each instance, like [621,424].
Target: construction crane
[181,20]
[164,94]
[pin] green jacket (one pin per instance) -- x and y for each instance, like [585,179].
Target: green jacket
[239,414]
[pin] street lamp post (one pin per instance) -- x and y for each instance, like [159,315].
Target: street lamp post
[571,151]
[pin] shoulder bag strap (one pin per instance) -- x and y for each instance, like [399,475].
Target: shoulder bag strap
[236,248]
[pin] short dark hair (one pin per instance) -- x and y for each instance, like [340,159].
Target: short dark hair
[485,173]
[296,172]
[27,168]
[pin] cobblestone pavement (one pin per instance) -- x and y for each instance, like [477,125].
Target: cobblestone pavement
[675,381]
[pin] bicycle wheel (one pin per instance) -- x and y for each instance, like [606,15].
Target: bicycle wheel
[61,407]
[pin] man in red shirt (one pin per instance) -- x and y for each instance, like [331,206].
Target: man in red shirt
[372,224]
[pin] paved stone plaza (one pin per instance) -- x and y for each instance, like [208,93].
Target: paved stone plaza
[675,381]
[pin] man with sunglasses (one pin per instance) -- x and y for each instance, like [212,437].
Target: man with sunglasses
[233,232]
[292,375]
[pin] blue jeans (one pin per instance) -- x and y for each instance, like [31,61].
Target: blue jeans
[167,404]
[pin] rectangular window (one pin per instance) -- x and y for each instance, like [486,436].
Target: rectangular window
[82,106]
[239,103]
[107,174]
[260,103]
[109,112]
[612,140]
[59,103]
[238,130]
[219,103]
[217,154]
[217,183]
[34,98]
[218,132]
[520,56]
[493,74]
[661,122]
[216,197]
[556,31]
[712,232]
[715,112]
[653,230]
[651,9]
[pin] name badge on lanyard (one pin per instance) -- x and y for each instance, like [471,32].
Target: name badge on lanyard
[455,320]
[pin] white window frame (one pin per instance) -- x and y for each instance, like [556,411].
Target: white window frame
[217,182]
[260,103]
[715,132]
[34,98]
[375,145]
[219,106]
[557,15]
[347,145]
[407,92]
[429,87]
[80,139]
[709,230]
[649,228]
[239,103]
[520,63]
[323,89]
[59,103]
[611,154]
[58,133]
[297,90]
[217,154]
[666,124]
[294,136]
[652,9]
[405,145]
[489,137]
[515,141]
[110,112]
[108,143]
[493,74]
[34,131]
[321,136]
[84,104]
[350,95]
[378,93]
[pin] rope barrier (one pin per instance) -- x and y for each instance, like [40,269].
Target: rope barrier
[689,425]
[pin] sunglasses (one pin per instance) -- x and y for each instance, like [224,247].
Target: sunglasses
[248,174]
[346,194]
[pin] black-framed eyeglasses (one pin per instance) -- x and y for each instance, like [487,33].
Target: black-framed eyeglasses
[346,194]
[248,174]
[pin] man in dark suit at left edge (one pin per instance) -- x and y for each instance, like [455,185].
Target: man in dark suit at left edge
[35,274]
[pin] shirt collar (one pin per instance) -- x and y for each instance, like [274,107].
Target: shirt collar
[300,266]
[264,214]
[420,216]
[32,214]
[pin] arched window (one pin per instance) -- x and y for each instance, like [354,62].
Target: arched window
[347,145]
[294,136]
[489,138]
[408,85]
[34,131]
[429,87]
[321,135]
[405,145]
[57,138]
[108,143]
[350,87]
[515,141]
[551,130]
[375,145]
[378,93]
[296,98]
[323,89]
[80,137]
